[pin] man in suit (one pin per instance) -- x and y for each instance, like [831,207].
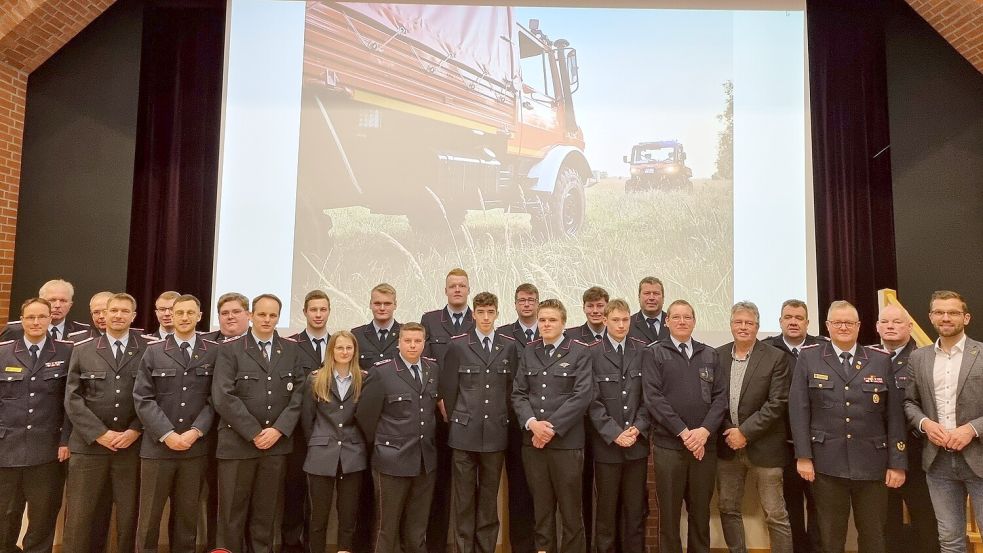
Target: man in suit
[551,394]
[33,430]
[594,299]
[233,317]
[649,324]
[922,534]
[59,294]
[803,517]
[97,310]
[99,403]
[476,385]
[522,526]
[686,395]
[944,401]
[397,414]
[454,319]
[620,423]
[257,389]
[848,429]
[172,397]
[377,339]
[163,310]
[753,439]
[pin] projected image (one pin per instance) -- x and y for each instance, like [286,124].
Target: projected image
[564,147]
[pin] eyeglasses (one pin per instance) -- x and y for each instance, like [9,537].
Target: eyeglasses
[951,314]
[842,324]
[678,318]
[164,309]
[33,318]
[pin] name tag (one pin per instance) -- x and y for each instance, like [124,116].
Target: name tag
[872,379]
[818,376]
[54,363]
[13,369]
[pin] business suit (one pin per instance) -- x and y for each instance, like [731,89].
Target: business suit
[172,395]
[32,428]
[98,398]
[557,389]
[476,385]
[850,422]
[440,328]
[951,475]
[799,503]
[619,473]
[251,394]
[336,460]
[397,415]
[640,329]
[683,392]
[370,349]
[761,407]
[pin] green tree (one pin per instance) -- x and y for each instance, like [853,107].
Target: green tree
[725,138]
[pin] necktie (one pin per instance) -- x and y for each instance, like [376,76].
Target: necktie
[416,373]
[682,349]
[652,322]
[487,343]
[34,355]
[621,350]
[119,351]
[317,349]
[795,352]
[382,334]
[457,322]
[529,334]
[185,350]
[262,348]
[549,350]
[845,356]
[597,336]
[54,332]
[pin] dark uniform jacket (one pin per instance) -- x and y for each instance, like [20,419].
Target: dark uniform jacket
[310,360]
[477,387]
[516,331]
[903,379]
[81,335]
[440,329]
[172,395]
[32,409]
[251,394]
[617,401]
[99,395]
[583,333]
[217,336]
[640,329]
[763,406]
[778,342]
[555,389]
[850,426]
[333,437]
[396,414]
[683,393]
[14,330]
[370,349]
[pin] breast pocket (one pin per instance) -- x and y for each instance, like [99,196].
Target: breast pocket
[821,393]
[246,385]
[563,380]
[286,385]
[165,381]
[10,384]
[54,379]
[203,380]
[398,406]
[706,384]
[875,396]
[93,384]
[608,385]
[467,377]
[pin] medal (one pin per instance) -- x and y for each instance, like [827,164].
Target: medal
[877,398]
[290,387]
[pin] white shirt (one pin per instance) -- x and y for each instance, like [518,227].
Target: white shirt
[61,330]
[388,329]
[191,342]
[40,345]
[689,346]
[324,343]
[533,328]
[481,337]
[615,345]
[945,374]
[125,340]
[852,351]
[793,346]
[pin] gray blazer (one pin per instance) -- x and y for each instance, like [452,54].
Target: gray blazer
[331,432]
[920,399]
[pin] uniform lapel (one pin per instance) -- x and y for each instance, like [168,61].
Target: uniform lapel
[477,347]
[406,374]
[172,350]
[560,353]
[197,355]
[611,355]
[860,361]
[305,344]
[832,361]
[498,346]
[134,346]
[971,356]
[276,351]
[23,355]
[104,350]
[252,350]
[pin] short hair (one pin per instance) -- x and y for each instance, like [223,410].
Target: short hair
[279,303]
[485,299]
[29,301]
[98,295]
[796,304]
[384,288]
[413,327]
[187,297]
[526,287]
[553,303]
[168,295]
[617,304]
[948,295]
[681,303]
[651,280]
[316,295]
[595,293]
[56,282]
[456,271]
[841,304]
[123,296]
[232,296]
[748,306]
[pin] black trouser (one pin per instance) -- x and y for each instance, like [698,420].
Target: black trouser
[801,507]
[680,477]
[320,496]
[177,480]
[522,519]
[555,478]
[834,498]
[249,494]
[440,507]
[587,484]
[88,478]
[922,535]
[368,514]
[209,492]
[293,525]
[476,477]
[40,487]
[619,489]
[404,505]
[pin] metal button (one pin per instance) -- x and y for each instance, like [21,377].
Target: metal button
[624,392]
[28,427]
[421,436]
[486,401]
[32,394]
[486,416]
[542,410]
[184,389]
[849,436]
[848,419]
[542,397]
[117,391]
[341,407]
[117,405]
[846,387]
[340,425]
[30,410]
[180,420]
[339,442]
[117,377]
[487,386]
[32,379]
[269,407]
[115,419]
[269,378]
[544,385]
[625,407]
[422,423]
[182,404]
[848,404]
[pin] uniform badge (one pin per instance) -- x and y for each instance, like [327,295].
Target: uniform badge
[564,365]
[876,398]
[290,387]
[901,446]
[819,376]
[13,369]
[858,364]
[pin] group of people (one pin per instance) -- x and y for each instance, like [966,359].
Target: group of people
[390,424]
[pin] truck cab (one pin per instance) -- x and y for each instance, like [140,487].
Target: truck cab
[657,165]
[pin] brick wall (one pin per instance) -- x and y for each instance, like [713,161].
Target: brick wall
[958,21]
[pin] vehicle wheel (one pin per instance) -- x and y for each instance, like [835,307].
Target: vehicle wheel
[563,211]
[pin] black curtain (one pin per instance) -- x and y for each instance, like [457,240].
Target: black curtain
[851,156]
[172,226]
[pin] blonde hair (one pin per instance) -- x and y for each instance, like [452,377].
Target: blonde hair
[321,386]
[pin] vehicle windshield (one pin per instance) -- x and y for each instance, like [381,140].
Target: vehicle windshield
[654,155]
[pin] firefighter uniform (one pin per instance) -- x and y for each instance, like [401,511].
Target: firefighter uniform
[371,349]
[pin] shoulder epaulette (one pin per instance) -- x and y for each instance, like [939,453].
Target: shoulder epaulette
[86,325]
[639,340]
[878,348]
[150,337]
[585,343]
[822,338]
[69,342]
[229,340]
[77,332]
[155,342]
[87,340]
[809,346]
[5,342]
[506,336]
[137,330]
[210,341]
[383,362]
[312,374]
[13,322]
[364,373]
[429,359]
[536,341]
[289,339]
[459,336]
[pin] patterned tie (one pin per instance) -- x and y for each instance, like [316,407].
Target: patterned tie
[318,352]
[186,351]
[457,322]
[119,351]
[487,343]
[34,355]
[529,334]
[262,348]
[416,373]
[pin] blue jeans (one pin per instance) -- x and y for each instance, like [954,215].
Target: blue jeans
[949,481]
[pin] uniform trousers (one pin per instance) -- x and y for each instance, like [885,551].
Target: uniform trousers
[555,479]
[250,492]
[679,478]
[476,477]
[522,519]
[89,476]
[801,507]
[321,492]
[40,487]
[294,525]
[620,494]
[440,506]
[404,506]
[834,498]
[177,480]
